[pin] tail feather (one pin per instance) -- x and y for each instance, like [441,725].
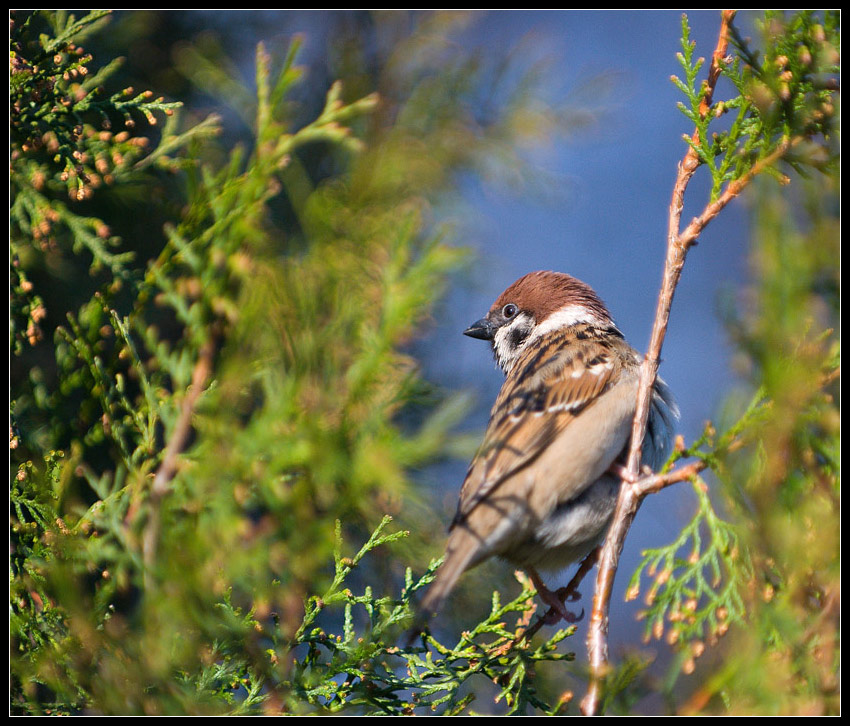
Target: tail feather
[460,555]
[462,552]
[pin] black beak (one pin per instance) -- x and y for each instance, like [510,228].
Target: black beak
[482,329]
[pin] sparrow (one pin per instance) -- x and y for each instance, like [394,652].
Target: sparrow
[543,486]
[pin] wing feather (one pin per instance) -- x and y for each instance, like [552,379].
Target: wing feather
[542,395]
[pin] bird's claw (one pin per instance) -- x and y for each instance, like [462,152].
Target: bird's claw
[557,609]
[568,595]
[555,601]
[555,615]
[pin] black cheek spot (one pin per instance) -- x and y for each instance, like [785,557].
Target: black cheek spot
[518,336]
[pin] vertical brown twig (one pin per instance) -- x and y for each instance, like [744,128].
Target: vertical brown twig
[630,496]
[632,493]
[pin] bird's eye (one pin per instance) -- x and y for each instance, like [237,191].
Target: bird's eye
[509,310]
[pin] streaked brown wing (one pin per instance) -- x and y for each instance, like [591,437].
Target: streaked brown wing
[541,397]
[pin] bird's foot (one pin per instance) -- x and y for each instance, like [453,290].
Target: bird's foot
[623,473]
[557,609]
[568,593]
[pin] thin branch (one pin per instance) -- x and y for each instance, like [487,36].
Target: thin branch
[714,70]
[631,495]
[656,482]
[677,249]
[689,235]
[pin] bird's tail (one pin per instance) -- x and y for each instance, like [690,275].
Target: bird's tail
[461,552]
[453,567]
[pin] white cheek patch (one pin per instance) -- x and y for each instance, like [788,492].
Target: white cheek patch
[507,351]
[567,316]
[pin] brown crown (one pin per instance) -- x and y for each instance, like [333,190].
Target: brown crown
[544,292]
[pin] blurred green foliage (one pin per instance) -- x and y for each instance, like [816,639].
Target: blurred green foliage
[785,86]
[783,486]
[196,401]
[213,398]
